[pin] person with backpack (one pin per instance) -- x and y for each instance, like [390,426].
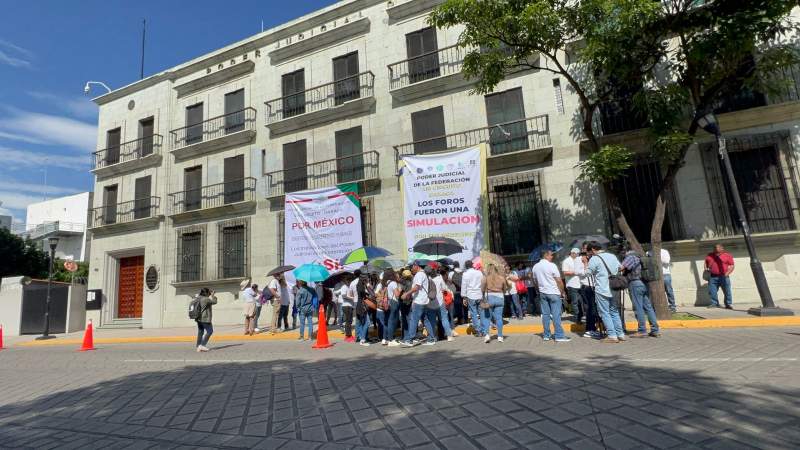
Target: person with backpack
[423,290]
[605,267]
[405,282]
[640,295]
[363,297]
[304,300]
[381,308]
[200,312]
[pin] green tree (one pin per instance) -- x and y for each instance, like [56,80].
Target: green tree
[20,256]
[688,53]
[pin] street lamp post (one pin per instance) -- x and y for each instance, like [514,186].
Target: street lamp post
[708,122]
[53,243]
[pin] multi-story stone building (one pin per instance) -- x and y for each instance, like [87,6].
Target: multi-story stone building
[194,161]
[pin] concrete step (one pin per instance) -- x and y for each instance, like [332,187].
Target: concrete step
[118,324]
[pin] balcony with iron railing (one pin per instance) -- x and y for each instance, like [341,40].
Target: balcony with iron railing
[526,139]
[129,215]
[128,156]
[215,134]
[427,74]
[324,103]
[360,167]
[56,227]
[215,200]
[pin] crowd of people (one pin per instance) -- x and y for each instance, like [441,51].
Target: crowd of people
[434,297]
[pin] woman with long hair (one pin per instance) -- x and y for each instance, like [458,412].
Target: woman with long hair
[495,287]
[391,315]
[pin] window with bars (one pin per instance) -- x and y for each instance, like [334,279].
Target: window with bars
[516,213]
[505,116]
[766,177]
[190,254]
[232,249]
[637,190]
[427,129]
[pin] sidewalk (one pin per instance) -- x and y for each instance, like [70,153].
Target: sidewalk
[709,318]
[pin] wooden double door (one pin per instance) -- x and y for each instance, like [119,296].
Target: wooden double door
[131,287]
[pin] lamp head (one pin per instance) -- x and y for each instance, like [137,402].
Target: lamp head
[86,88]
[708,122]
[53,242]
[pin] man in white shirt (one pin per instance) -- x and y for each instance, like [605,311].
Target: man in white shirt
[279,290]
[571,267]
[472,293]
[249,296]
[551,291]
[350,300]
[419,292]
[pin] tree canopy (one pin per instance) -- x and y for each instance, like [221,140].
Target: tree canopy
[20,256]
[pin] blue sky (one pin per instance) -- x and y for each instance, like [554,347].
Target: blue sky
[49,49]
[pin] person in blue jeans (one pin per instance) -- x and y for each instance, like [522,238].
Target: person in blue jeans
[640,295]
[391,316]
[496,285]
[720,265]
[304,301]
[420,286]
[551,291]
[471,293]
[602,265]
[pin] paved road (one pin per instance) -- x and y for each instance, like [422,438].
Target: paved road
[690,389]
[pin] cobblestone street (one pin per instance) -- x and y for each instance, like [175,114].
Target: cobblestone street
[690,389]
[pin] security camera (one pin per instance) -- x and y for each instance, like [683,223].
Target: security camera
[86,89]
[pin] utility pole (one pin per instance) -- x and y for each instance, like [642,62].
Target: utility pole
[141,66]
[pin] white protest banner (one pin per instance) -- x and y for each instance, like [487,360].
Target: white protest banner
[322,225]
[444,195]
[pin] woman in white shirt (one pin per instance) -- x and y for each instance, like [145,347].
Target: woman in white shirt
[393,291]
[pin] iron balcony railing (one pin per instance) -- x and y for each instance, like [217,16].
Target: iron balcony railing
[346,169]
[212,196]
[128,151]
[45,228]
[322,97]
[439,63]
[532,133]
[142,208]
[619,115]
[214,128]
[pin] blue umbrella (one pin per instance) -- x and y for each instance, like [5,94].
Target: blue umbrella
[311,273]
[536,254]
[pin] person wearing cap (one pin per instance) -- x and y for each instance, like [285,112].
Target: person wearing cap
[419,293]
[571,268]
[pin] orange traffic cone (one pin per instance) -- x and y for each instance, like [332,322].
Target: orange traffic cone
[322,332]
[88,338]
[1,336]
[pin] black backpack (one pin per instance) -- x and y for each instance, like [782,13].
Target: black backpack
[456,279]
[195,309]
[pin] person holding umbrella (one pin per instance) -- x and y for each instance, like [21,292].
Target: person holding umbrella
[304,300]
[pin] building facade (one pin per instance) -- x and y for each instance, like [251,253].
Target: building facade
[193,162]
[64,218]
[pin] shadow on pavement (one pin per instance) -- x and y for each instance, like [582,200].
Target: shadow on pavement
[452,399]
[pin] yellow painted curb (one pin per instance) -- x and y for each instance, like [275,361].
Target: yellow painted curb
[462,329]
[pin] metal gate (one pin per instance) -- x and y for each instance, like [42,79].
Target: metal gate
[34,299]
[516,213]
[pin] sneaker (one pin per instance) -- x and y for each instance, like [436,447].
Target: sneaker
[407,344]
[300,338]
[500,339]
[429,343]
[547,339]
[622,338]
[350,339]
[455,333]
[203,348]
[639,335]
[394,344]
[364,344]
[728,307]
[487,339]
[590,334]
[654,334]
[257,330]
[563,339]
[384,342]
[199,348]
[610,340]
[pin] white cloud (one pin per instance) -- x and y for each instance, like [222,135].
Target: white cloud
[20,159]
[20,138]
[14,55]
[34,188]
[26,126]
[16,200]
[74,105]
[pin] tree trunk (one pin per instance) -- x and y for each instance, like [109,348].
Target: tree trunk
[657,293]
[619,218]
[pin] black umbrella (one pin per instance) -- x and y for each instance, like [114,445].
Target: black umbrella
[446,261]
[438,246]
[335,278]
[280,269]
